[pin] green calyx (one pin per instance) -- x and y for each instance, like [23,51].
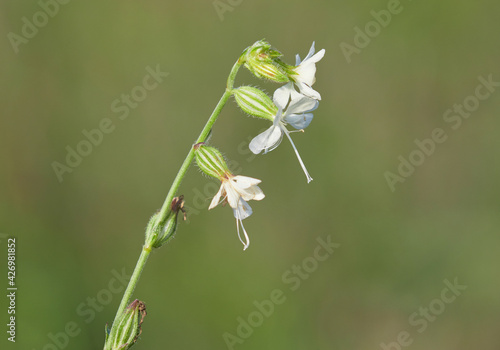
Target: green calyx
[255,102]
[127,327]
[157,234]
[210,161]
[264,62]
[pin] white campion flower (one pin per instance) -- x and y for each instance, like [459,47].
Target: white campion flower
[294,109]
[305,72]
[237,190]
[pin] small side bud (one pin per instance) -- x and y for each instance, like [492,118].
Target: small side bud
[158,234]
[210,161]
[127,327]
[264,62]
[255,102]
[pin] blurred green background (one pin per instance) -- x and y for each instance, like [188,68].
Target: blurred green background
[396,248]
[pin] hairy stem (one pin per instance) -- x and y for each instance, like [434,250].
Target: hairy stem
[141,262]
[165,209]
[203,136]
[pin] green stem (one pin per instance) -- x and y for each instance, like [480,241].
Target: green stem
[139,266]
[203,136]
[165,209]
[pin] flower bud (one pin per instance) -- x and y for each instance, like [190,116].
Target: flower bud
[157,234]
[210,161]
[255,102]
[127,327]
[264,62]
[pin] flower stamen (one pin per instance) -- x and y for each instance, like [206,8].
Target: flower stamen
[309,178]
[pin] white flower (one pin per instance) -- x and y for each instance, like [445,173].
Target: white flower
[305,73]
[297,114]
[237,190]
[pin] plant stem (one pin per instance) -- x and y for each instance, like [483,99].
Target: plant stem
[189,158]
[165,209]
[139,266]
[203,136]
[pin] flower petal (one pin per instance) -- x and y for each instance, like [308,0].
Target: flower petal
[253,192]
[316,58]
[266,141]
[233,196]
[282,95]
[245,181]
[216,199]
[299,121]
[297,59]
[301,103]
[307,69]
[308,91]
[242,210]
[311,51]
[306,73]
[247,187]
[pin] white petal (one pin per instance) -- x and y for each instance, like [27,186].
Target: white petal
[317,57]
[266,141]
[258,194]
[245,181]
[253,192]
[299,121]
[294,95]
[301,104]
[216,199]
[247,188]
[306,73]
[282,95]
[242,210]
[233,196]
[309,91]
[307,69]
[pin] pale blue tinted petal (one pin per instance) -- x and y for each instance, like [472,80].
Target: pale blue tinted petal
[299,121]
[297,60]
[242,210]
[311,52]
